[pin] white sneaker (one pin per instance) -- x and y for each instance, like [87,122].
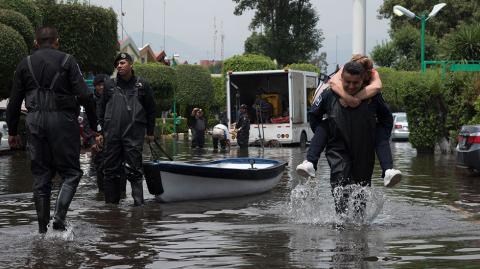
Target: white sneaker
[305,169]
[392,177]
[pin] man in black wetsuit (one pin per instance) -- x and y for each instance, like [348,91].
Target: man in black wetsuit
[125,112]
[52,85]
[350,150]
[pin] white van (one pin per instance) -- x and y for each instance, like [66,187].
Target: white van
[289,93]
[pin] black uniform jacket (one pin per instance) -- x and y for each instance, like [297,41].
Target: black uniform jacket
[46,62]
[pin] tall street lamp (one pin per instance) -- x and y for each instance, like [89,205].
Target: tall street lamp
[400,11]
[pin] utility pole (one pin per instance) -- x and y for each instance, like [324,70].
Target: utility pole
[121,15]
[143,22]
[214,38]
[164,27]
[222,40]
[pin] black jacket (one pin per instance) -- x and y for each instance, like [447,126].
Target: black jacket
[145,97]
[350,148]
[45,63]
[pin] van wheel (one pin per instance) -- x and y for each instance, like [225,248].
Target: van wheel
[303,140]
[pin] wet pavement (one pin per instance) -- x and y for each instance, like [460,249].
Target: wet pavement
[431,220]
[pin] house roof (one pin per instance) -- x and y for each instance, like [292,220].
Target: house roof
[128,42]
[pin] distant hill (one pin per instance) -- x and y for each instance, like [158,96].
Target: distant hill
[173,45]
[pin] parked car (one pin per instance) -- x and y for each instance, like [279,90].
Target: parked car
[400,126]
[468,148]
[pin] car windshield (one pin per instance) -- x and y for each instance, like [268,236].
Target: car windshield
[401,118]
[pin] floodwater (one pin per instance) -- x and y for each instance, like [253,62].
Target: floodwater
[431,220]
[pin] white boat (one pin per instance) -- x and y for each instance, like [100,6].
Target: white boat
[172,181]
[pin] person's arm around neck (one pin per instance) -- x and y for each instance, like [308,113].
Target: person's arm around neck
[371,89]
[337,87]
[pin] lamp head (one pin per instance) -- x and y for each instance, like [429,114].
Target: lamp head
[436,9]
[400,11]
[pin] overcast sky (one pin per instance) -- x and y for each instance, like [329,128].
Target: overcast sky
[191,22]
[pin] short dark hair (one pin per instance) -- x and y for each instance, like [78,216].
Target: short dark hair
[354,68]
[46,35]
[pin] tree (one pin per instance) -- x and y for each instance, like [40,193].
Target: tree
[25,7]
[162,80]
[462,44]
[18,22]
[194,87]
[248,62]
[455,13]
[87,32]
[320,61]
[403,52]
[12,50]
[288,30]
[385,54]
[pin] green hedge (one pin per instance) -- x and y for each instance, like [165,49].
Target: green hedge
[194,88]
[12,50]
[87,32]
[219,94]
[162,79]
[304,67]
[436,107]
[423,103]
[18,22]
[248,62]
[25,7]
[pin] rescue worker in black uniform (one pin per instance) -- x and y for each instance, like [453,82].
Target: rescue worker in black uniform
[52,85]
[242,128]
[97,150]
[350,150]
[126,109]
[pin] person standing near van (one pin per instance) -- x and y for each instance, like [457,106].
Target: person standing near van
[242,128]
[52,85]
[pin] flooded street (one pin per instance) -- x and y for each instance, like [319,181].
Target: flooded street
[431,220]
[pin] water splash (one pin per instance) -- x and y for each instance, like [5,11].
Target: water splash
[67,235]
[311,202]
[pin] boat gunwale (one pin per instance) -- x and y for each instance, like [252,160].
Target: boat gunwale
[220,172]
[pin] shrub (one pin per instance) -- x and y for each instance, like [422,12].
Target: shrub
[194,87]
[18,22]
[219,94]
[12,50]
[423,102]
[248,62]
[87,32]
[162,80]
[25,7]
[305,67]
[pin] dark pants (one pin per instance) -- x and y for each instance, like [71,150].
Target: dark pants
[198,138]
[382,146]
[123,160]
[223,143]
[98,163]
[242,142]
[54,148]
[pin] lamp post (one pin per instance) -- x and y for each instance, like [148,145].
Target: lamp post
[400,11]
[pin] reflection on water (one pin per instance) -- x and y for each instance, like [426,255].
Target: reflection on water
[430,219]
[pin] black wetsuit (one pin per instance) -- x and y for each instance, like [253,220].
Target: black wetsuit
[350,149]
[52,85]
[125,111]
[243,134]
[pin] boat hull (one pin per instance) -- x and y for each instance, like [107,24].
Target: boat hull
[173,181]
